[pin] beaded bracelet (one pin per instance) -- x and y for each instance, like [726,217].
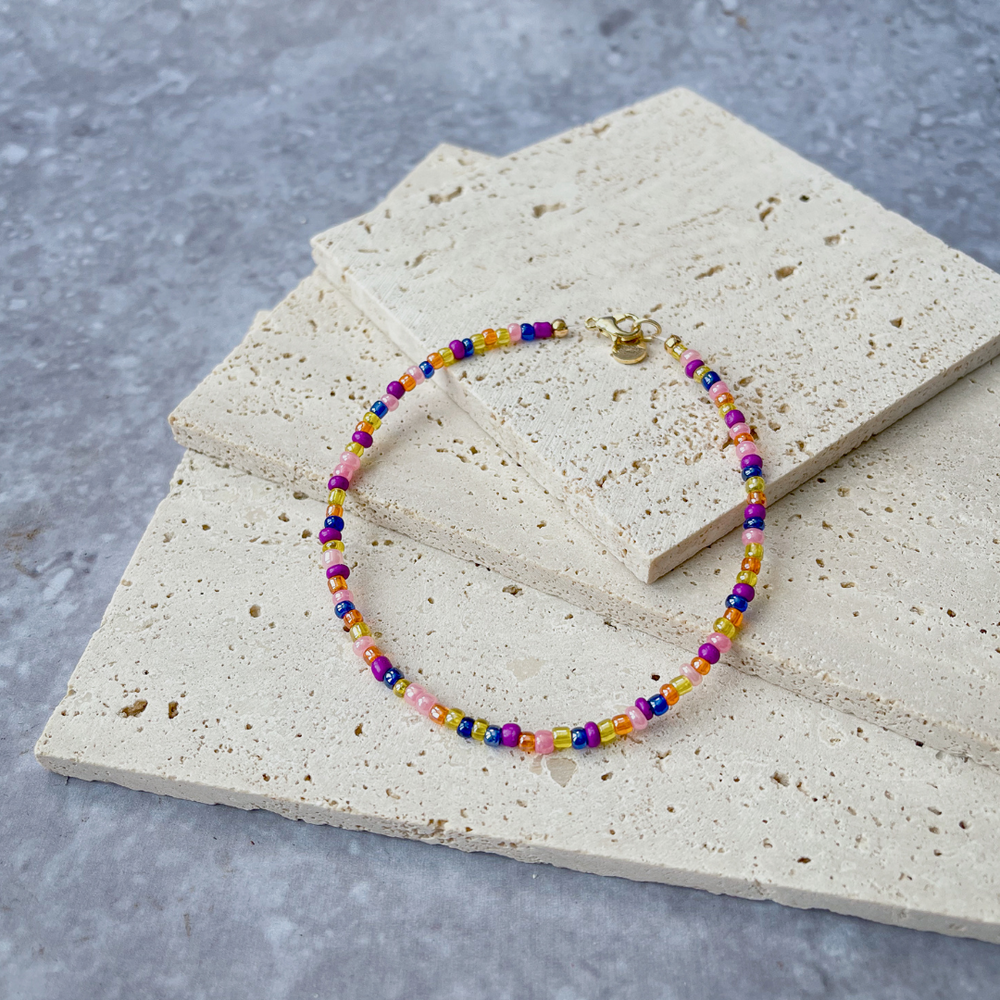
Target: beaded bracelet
[629,348]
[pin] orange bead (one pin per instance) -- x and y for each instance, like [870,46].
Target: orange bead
[436,360]
[740,438]
[670,693]
[526,742]
[751,565]
[726,397]
[490,336]
[363,427]
[437,714]
[622,724]
[757,497]
[336,583]
[352,618]
[408,382]
[736,617]
[702,666]
[335,510]
[372,653]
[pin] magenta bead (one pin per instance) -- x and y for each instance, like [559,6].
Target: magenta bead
[363,438]
[339,570]
[395,389]
[458,349]
[754,510]
[708,652]
[328,535]
[390,401]
[734,417]
[380,664]
[510,733]
[718,388]
[692,366]
[752,459]
[338,483]
[720,640]
[332,535]
[745,591]
[544,741]
[543,330]
[643,706]
[593,734]
[753,536]
[362,643]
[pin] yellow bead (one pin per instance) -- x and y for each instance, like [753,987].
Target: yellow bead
[503,337]
[399,688]
[327,546]
[725,626]
[754,551]
[478,343]
[699,373]
[682,685]
[447,356]
[338,544]
[559,328]
[747,576]
[607,730]
[678,349]
[371,418]
[336,497]
[453,718]
[562,738]
[725,408]
[755,484]
[479,728]
[358,449]
[357,631]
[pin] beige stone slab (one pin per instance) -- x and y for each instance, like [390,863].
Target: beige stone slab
[834,316]
[219,674]
[877,551]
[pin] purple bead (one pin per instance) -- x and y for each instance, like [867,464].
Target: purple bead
[692,366]
[747,460]
[458,349]
[339,570]
[363,438]
[643,706]
[543,330]
[593,734]
[395,389]
[754,510]
[744,590]
[380,665]
[338,483]
[734,417]
[708,652]
[328,535]
[510,733]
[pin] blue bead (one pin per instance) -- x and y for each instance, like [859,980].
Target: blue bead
[427,368]
[578,736]
[470,348]
[734,601]
[337,523]
[391,676]
[658,704]
[709,379]
[465,727]
[379,408]
[753,522]
[342,608]
[493,736]
[750,471]
[528,333]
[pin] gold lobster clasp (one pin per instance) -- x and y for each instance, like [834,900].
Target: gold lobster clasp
[625,332]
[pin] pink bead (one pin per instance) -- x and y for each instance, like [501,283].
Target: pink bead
[360,645]
[737,429]
[424,703]
[412,693]
[416,374]
[745,448]
[720,641]
[331,557]
[349,459]
[688,355]
[637,719]
[717,390]
[544,741]
[344,470]
[691,674]
[341,595]
[390,401]
[515,335]
[753,536]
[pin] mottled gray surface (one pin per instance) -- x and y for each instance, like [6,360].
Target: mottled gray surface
[161,167]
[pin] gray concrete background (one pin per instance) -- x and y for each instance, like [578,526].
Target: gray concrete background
[162,166]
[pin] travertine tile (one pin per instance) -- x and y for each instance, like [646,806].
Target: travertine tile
[219,674]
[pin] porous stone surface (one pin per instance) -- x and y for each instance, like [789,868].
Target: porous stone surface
[219,674]
[848,553]
[830,316]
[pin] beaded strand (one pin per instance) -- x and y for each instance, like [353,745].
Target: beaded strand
[591,734]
